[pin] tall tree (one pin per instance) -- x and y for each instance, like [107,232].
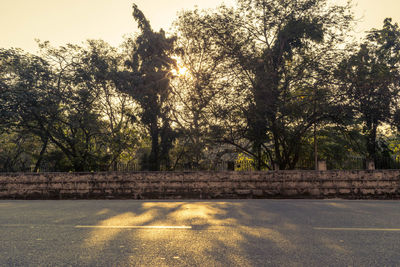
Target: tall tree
[148,82]
[280,54]
[370,81]
[197,89]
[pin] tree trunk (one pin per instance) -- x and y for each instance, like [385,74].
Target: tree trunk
[371,143]
[39,161]
[154,154]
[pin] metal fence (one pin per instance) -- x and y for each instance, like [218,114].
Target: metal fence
[350,163]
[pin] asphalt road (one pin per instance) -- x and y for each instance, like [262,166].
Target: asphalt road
[200,233]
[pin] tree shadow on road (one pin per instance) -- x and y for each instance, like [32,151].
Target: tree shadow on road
[219,233]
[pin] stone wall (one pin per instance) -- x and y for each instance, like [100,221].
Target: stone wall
[357,184]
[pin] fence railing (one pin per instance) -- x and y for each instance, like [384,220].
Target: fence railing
[350,163]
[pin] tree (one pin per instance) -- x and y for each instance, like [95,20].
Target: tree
[370,81]
[17,151]
[67,98]
[280,55]
[100,64]
[197,90]
[147,80]
[29,102]
[95,122]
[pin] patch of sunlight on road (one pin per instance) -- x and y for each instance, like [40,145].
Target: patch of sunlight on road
[211,217]
[207,214]
[135,227]
[99,237]
[103,212]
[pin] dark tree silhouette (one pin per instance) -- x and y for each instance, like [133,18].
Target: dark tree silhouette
[148,82]
[370,81]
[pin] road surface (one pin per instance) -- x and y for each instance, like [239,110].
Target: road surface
[200,233]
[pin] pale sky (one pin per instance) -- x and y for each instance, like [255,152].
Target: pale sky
[74,21]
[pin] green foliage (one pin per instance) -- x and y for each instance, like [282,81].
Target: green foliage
[259,78]
[17,151]
[244,163]
[67,97]
[278,57]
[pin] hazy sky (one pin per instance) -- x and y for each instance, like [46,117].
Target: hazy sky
[73,21]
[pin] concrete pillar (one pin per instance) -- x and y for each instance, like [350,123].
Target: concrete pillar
[370,164]
[321,166]
[276,167]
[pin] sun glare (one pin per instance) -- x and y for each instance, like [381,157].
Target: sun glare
[180,69]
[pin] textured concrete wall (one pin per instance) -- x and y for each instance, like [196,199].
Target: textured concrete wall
[164,185]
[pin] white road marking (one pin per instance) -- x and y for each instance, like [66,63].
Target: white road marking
[32,226]
[134,226]
[358,229]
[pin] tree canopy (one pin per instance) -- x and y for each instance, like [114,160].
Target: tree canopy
[270,84]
